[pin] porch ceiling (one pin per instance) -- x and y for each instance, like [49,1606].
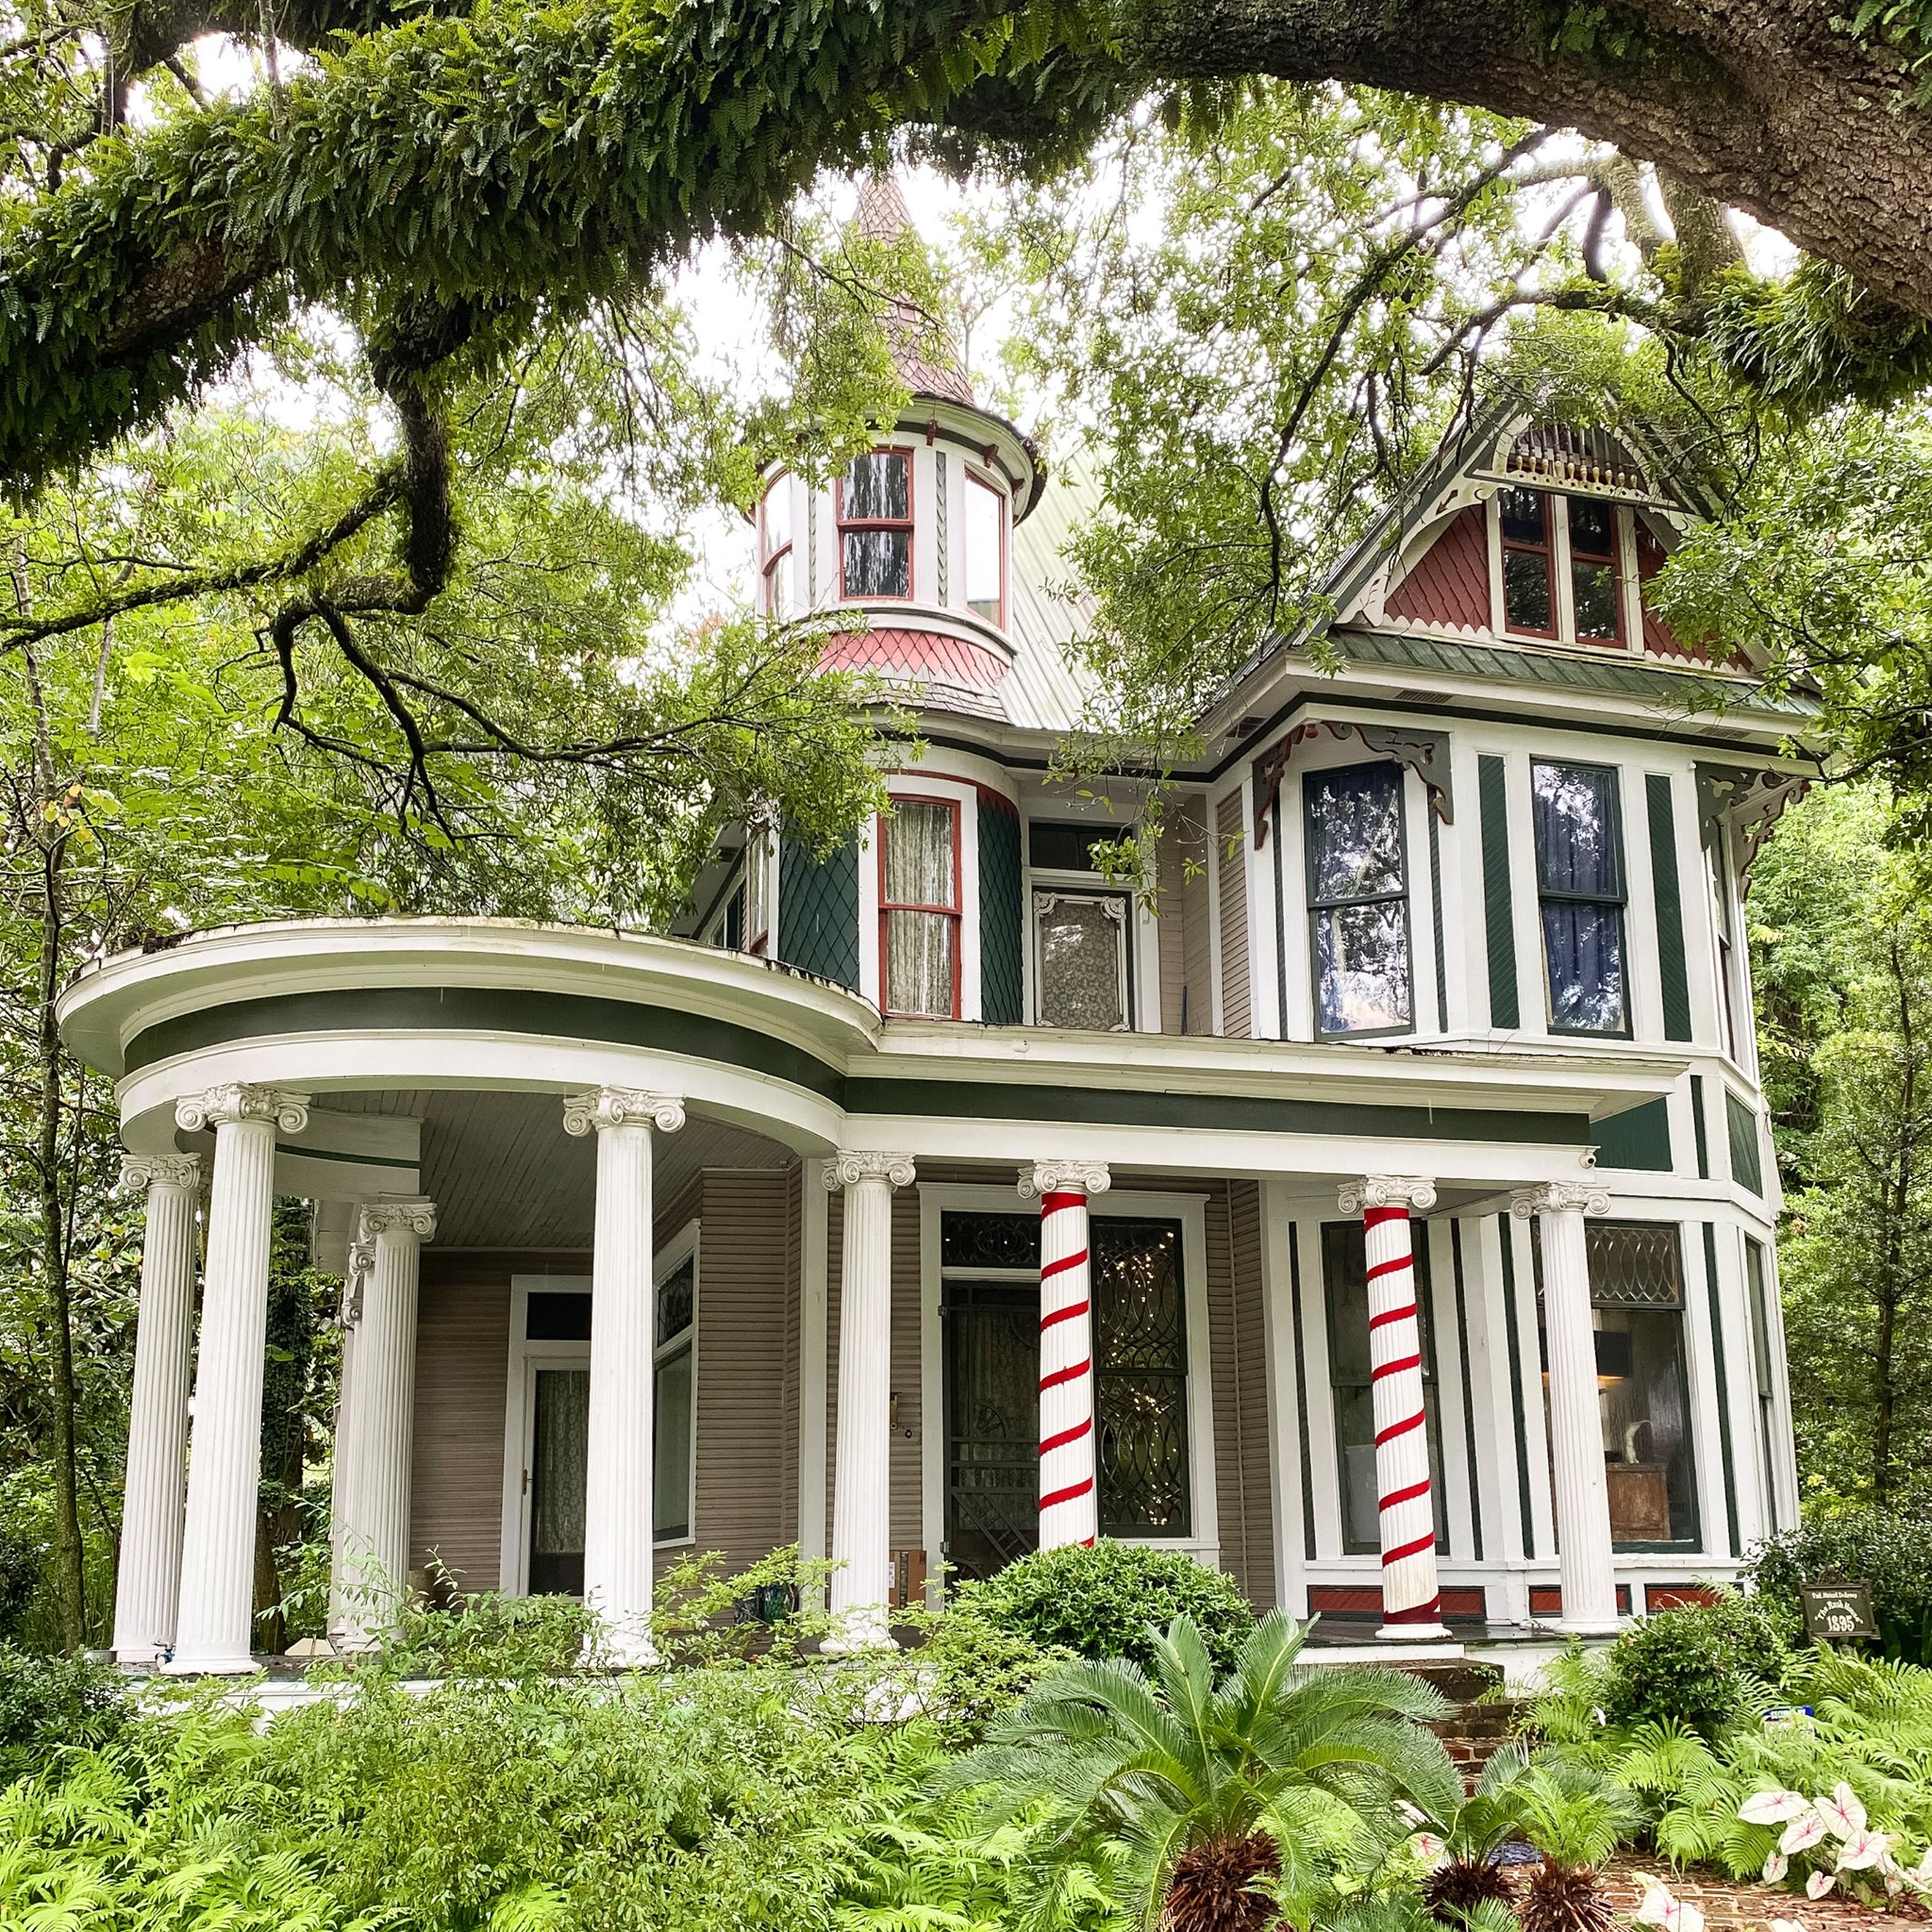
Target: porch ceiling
[504,1173]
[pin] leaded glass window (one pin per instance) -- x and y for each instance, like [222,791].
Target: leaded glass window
[1358,899]
[876,525]
[1081,959]
[1579,867]
[1141,1376]
[919,907]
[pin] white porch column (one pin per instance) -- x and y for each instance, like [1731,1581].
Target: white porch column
[1411,1601]
[620,1441]
[1069,1504]
[148,1584]
[1584,1558]
[372,1551]
[217,1605]
[861,1497]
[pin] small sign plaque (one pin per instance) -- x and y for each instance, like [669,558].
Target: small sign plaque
[1841,1612]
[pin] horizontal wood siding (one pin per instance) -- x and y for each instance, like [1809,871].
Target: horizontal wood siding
[908,1473]
[1231,859]
[744,1346]
[1251,1391]
[1230,1530]
[1169,902]
[794,1247]
[1190,829]
[455,1472]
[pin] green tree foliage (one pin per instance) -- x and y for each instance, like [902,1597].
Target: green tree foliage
[1843,959]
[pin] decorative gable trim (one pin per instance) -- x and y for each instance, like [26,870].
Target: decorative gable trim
[1424,753]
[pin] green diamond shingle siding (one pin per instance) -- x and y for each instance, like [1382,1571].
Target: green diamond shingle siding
[1670,907]
[1001,928]
[1498,920]
[818,912]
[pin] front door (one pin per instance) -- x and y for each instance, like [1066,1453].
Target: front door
[992,1424]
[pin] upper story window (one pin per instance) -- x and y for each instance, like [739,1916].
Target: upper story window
[1080,961]
[986,550]
[774,546]
[876,525]
[919,909]
[1358,899]
[1562,569]
[741,921]
[1580,877]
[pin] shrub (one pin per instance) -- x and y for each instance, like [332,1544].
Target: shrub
[1700,1665]
[1109,1602]
[21,1559]
[47,1701]
[1893,1554]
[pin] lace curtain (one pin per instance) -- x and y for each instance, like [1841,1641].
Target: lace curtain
[920,945]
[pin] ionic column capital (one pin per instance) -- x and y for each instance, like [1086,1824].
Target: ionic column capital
[355,1278]
[1414,1192]
[621,1107]
[142,1172]
[1065,1177]
[234,1101]
[414,1214]
[847,1167]
[1559,1197]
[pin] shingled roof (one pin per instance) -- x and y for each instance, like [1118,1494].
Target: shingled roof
[923,352]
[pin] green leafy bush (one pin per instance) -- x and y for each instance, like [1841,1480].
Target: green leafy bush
[1893,1554]
[47,1701]
[1701,1665]
[1111,1600]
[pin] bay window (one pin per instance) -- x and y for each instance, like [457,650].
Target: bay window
[774,546]
[919,909]
[1080,961]
[1358,899]
[986,550]
[1579,875]
[876,525]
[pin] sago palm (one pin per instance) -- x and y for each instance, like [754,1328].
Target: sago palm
[1472,1832]
[1188,1791]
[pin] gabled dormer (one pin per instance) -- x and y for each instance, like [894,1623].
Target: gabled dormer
[1544,536]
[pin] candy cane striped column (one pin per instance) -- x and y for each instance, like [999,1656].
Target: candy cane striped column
[1411,1601]
[1069,1507]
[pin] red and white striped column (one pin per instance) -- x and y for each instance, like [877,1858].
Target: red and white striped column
[1411,1599]
[1069,1506]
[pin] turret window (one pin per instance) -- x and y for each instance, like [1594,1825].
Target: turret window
[1358,899]
[876,525]
[986,550]
[1579,877]
[919,909]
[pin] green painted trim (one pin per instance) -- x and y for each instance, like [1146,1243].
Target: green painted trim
[1436,912]
[1723,1385]
[1741,1122]
[1698,1126]
[1300,1383]
[487,1009]
[1280,931]
[354,1159]
[1475,1496]
[1670,906]
[1499,922]
[1112,1107]
[625,1023]
[1640,1137]
[1515,1341]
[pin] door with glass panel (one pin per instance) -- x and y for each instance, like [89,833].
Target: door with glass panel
[989,1302]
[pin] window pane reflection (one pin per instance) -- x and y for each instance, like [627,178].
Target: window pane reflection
[879,563]
[1357,898]
[1580,881]
[878,484]
[1362,961]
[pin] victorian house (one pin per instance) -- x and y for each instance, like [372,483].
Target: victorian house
[1381,1211]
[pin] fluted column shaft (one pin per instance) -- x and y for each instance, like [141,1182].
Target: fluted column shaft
[148,1582]
[1405,1504]
[348,1457]
[861,1500]
[372,1549]
[621,1441]
[1068,1499]
[217,1601]
[1585,1560]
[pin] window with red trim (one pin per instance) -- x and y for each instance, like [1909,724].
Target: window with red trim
[919,909]
[876,525]
[774,545]
[1529,563]
[986,550]
[1597,589]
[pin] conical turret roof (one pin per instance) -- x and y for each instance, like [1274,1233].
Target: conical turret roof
[922,351]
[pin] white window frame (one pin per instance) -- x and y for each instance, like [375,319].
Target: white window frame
[527,1358]
[1190,1210]
[1562,585]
